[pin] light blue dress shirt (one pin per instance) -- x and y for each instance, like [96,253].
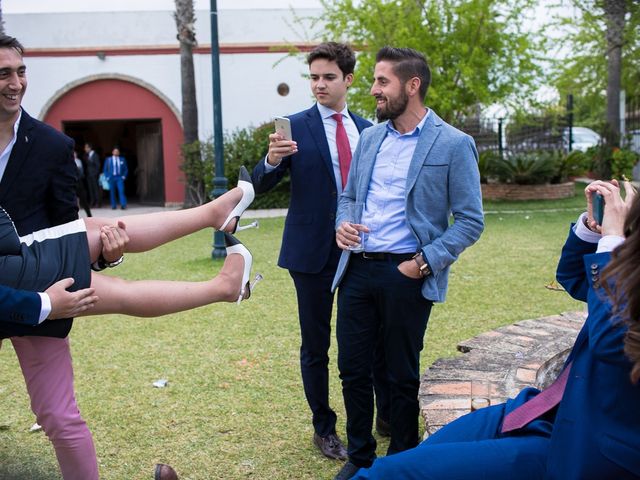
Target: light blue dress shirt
[384,209]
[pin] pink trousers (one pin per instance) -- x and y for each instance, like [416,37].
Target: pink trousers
[48,373]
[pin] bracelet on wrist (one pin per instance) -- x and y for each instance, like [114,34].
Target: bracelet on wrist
[101,263]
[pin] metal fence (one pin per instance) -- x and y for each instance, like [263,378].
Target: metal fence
[547,133]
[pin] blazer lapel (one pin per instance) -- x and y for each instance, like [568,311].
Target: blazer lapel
[368,160]
[428,135]
[19,154]
[360,125]
[316,127]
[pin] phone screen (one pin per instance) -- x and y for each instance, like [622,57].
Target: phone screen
[598,208]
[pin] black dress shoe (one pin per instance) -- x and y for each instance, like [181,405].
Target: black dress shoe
[164,472]
[382,427]
[347,471]
[330,446]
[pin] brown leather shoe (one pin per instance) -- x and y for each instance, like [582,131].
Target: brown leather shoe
[164,472]
[331,446]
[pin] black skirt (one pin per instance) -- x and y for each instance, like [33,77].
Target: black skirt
[36,261]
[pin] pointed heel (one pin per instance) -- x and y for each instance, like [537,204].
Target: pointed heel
[235,246]
[253,224]
[248,194]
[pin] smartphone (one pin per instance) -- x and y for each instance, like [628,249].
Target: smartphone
[598,208]
[283,127]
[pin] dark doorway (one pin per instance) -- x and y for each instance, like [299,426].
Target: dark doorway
[139,141]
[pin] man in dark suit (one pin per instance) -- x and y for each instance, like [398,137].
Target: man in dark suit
[37,188]
[315,159]
[92,162]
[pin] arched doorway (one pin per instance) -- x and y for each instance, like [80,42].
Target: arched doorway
[119,112]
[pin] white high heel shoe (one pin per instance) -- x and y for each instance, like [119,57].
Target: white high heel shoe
[235,246]
[248,194]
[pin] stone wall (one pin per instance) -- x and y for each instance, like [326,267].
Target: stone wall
[526,353]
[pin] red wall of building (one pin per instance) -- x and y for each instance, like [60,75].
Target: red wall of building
[114,99]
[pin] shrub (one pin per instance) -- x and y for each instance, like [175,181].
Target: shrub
[622,163]
[247,147]
[198,168]
[573,164]
[533,168]
[486,164]
[243,147]
[530,168]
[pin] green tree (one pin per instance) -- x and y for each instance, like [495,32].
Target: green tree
[602,43]
[478,50]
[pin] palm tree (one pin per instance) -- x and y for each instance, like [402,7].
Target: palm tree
[615,11]
[1,20]
[185,22]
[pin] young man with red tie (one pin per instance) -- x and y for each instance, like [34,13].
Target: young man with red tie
[317,159]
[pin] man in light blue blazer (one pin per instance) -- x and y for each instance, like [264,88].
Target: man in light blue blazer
[409,175]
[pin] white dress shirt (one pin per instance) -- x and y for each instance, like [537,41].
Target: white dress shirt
[330,126]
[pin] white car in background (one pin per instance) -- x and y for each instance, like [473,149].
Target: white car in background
[582,138]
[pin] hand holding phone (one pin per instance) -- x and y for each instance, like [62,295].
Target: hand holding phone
[283,127]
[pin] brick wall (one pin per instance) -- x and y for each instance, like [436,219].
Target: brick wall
[508,191]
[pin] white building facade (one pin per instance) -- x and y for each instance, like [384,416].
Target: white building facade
[113,77]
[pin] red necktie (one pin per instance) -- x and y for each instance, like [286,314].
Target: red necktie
[541,403]
[344,150]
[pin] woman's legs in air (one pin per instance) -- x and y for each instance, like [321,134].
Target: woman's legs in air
[150,230]
[152,298]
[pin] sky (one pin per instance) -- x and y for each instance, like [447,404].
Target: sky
[46,6]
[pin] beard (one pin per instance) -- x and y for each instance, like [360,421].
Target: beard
[393,108]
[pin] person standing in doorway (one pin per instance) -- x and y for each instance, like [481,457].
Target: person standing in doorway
[411,174]
[81,186]
[116,171]
[317,159]
[92,172]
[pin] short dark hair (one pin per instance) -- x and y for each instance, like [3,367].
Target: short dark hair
[408,63]
[10,42]
[340,53]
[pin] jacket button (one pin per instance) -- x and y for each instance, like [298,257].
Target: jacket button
[332,216]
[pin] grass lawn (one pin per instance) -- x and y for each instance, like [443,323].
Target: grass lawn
[234,406]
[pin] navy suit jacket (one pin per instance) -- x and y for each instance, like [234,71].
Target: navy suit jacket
[18,306]
[108,167]
[596,432]
[309,230]
[38,190]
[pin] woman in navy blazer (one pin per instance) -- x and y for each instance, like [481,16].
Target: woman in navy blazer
[594,432]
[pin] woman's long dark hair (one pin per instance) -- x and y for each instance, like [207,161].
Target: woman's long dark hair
[624,270]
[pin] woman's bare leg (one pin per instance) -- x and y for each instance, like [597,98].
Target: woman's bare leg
[153,298]
[147,231]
